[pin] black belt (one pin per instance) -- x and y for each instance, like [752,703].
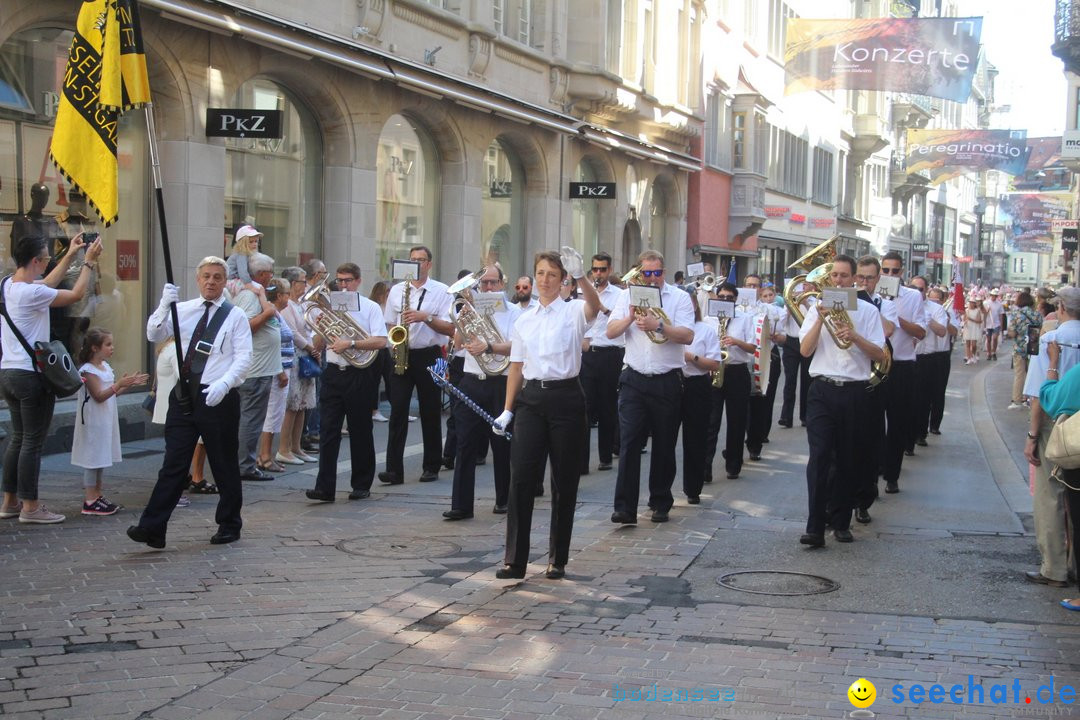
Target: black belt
[842,383]
[604,347]
[550,384]
[427,349]
[474,376]
[657,375]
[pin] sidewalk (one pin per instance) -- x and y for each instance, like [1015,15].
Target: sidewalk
[379,608]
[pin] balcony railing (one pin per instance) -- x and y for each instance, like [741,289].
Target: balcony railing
[1066,20]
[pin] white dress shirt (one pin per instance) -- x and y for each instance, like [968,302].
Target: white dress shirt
[369,316]
[1067,335]
[230,357]
[909,306]
[791,328]
[642,354]
[741,327]
[547,340]
[505,321]
[430,297]
[597,334]
[932,343]
[851,364]
[706,345]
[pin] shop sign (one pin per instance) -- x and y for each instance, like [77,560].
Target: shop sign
[500,189]
[241,123]
[797,219]
[962,259]
[822,222]
[978,264]
[776,211]
[937,255]
[590,190]
[920,247]
[1063,223]
[1070,144]
[127,259]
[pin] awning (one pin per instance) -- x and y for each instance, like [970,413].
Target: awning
[223,16]
[718,250]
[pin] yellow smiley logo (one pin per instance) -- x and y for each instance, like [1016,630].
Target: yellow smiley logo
[862,693]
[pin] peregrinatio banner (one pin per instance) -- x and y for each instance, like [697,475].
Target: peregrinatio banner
[924,56]
[948,153]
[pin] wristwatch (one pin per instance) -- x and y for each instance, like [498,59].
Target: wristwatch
[428,319]
[660,327]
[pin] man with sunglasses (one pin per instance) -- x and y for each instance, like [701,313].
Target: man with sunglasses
[650,390]
[523,293]
[601,363]
[900,391]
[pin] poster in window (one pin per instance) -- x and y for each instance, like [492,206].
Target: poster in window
[9,181]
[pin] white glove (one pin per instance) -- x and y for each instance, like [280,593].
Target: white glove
[499,427]
[169,294]
[215,392]
[571,260]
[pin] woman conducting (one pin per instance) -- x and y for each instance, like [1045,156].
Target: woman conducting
[543,391]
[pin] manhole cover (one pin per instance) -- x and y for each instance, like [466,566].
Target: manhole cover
[777,582]
[398,548]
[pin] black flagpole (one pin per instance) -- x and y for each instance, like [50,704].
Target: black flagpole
[184,391]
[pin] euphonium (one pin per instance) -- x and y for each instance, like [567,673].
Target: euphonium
[718,374]
[634,277]
[331,324]
[399,335]
[820,260]
[473,324]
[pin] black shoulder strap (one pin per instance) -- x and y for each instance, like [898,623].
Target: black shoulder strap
[206,345]
[3,311]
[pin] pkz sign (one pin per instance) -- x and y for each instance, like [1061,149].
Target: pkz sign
[592,190]
[241,123]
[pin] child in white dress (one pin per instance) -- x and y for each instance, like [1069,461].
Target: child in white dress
[96,443]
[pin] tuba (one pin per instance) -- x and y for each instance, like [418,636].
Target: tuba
[473,324]
[819,264]
[634,277]
[331,324]
[399,335]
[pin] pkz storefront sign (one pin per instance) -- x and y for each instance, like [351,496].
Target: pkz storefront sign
[242,123]
[592,190]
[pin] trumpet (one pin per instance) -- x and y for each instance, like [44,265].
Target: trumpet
[634,277]
[331,324]
[399,334]
[705,281]
[472,324]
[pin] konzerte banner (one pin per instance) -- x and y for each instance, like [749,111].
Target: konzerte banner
[948,153]
[925,56]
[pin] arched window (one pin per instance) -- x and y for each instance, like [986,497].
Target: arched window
[406,191]
[586,212]
[659,201]
[501,206]
[276,184]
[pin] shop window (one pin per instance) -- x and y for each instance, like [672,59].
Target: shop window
[586,213]
[407,192]
[276,184]
[501,226]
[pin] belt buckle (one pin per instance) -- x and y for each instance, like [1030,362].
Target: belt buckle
[204,347]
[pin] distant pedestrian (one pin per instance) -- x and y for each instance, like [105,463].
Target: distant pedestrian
[973,330]
[96,442]
[1022,319]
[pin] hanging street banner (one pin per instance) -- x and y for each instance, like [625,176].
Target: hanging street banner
[1029,219]
[924,56]
[949,153]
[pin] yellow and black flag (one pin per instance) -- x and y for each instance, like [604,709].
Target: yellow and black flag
[106,73]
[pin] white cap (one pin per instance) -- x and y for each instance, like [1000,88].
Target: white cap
[246,231]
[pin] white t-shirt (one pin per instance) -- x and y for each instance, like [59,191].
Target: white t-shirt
[28,307]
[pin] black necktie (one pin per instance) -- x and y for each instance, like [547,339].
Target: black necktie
[877,302]
[196,336]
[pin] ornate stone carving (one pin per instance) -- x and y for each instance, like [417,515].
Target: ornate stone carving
[559,80]
[479,54]
[372,16]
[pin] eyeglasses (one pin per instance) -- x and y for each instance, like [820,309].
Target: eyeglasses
[600,269]
[866,278]
[347,279]
[891,271]
[652,273]
[725,298]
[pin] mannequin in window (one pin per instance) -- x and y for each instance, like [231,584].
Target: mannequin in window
[35,222]
[76,317]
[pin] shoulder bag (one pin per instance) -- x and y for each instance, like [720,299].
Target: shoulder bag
[1063,447]
[307,367]
[51,359]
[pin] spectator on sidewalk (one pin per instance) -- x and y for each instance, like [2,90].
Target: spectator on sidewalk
[301,396]
[1022,318]
[316,273]
[973,330]
[277,292]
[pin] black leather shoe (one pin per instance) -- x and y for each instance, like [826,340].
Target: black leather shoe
[844,536]
[448,463]
[659,516]
[309,447]
[604,466]
[481,461]
[755,456]
[141,535]
[624,518]
[222,537]
[457,515]
[732,476]
[390,478]
[1031,576]
[257,476]
[555,572]
[540,491]
[509,572]
[862,515]
[499,509]
[813,539]
[784,423]
[319,495]
[909,453]
[935,432]
[765,441]
[429,476]
[921,442]
[693,500]
[892,488]
[359,494]
[708,477]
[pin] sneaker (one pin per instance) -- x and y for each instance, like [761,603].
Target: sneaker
[1016,406]
[379,417]
[10,511]
[183,502]
[41,516]
[101,506]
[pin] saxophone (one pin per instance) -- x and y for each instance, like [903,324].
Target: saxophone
[399,335]
[718,373]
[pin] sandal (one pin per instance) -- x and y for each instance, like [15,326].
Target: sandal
[203,487]
[270,466]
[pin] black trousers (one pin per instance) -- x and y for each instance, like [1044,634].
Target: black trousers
[648,405]
[836,431]
[217,426]
[925,370]
[455,369]
[734,396]
[547,421]
[347,394]
[696,409]
[473,433]
[942,366]
[866,487]
[600,368]
[384,365]
[796,369]
[760,409]
[900,407]
[429,396]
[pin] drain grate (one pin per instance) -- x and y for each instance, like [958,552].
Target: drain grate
[777,582]
[398,548]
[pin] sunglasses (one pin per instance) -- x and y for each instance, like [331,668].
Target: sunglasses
[600,269]
[891,271]
[652,273]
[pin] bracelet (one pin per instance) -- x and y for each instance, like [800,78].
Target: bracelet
[92,266]
[1032,437]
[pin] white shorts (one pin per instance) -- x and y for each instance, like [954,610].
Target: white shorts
[275,410]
